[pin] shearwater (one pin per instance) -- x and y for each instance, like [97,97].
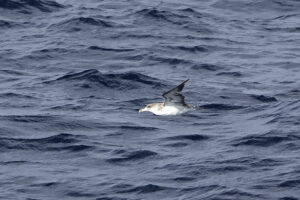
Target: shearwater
[174,103]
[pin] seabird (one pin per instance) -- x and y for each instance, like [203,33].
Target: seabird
[174,103]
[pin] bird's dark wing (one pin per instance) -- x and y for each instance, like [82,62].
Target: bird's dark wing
[173,96]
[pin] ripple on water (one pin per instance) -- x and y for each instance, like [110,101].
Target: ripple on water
[60,142]
[265,140]
[133,156]
[27,6]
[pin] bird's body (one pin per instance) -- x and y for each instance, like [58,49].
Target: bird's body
[174,103]
[161,109]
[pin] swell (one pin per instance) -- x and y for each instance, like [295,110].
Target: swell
[132,156]
[215,106]
[286,30]
[256,6]
[233,74]
[208,67]
[62,123]
[60,142]
[247,162]
[148,188]
[50,123]
[13,95]
[162,15]
[26,6]
[239,194]
[286,115]
[177,18]
[168,60]
[12,72]
[184,140]
[192,137]
[92,77]
[264,98]
[191,49]
[109,49]
[8,24]
[138,189]
[81,23]
[268,139]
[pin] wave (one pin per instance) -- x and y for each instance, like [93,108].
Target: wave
[163,15]
[27,118]
[138,35]
[193,137]
[192,11]
[177,18]
[26,5]
[285,120]
[171,61]
[138,128]
[86,20]
[60,138]
[263,98]
[8,24]
[80,194]
[239,194]
[184,179]
[209,67]
[109,49]
[12,72]
[252,161]
[92,77]
[45,184]
[54,51]
[234,74]
[268,139]
[290,183]
[267,162]
[286,29]
[58,142]
[17,162]
[152,12]
[183,140]
[50,123]
[67,106]
[288,198]
[216,106]
[15,95]
[149,188]
[111,198]
[257,6]
[177,144]
[224,169]
[81,23]
[133,156]
[192,49]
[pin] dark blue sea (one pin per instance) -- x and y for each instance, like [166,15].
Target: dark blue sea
[73,75]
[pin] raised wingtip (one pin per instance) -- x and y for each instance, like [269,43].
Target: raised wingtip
[176,89]
[184,82]
[180,87]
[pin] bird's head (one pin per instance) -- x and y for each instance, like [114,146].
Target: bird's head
[150,108]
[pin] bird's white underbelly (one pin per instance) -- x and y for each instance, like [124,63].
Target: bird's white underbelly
[169,110]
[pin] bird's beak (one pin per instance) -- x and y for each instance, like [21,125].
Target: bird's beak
[142,110]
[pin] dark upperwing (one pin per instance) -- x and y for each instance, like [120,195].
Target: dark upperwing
[173,96]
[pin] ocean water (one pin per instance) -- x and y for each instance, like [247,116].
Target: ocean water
[73,75]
